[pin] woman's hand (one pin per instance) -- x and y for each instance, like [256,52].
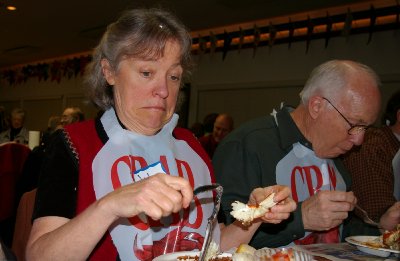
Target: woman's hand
[156,196]
[285,204]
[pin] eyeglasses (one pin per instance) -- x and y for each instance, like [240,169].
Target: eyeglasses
[354,128]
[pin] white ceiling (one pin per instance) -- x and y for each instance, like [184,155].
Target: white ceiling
[45,29]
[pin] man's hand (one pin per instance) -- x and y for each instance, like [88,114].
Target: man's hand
[285,204]
[327,209]
[391,217]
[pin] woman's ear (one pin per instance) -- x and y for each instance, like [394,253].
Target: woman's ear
[108,72]
[315,104]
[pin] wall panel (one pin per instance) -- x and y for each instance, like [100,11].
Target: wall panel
[81,101]
[39,111]
[248,83]
[10,104]
[245,103]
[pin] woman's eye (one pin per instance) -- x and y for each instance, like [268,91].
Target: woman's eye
[175,78]
[146,74]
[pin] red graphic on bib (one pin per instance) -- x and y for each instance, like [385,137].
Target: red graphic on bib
[176,240]
[307,174]
[313,179]
[328,237]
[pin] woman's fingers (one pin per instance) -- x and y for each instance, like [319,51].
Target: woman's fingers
[156,196]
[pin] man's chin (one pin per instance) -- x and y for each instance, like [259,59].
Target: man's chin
[330,155]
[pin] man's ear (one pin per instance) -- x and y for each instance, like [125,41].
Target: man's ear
[315,104]
[108,72]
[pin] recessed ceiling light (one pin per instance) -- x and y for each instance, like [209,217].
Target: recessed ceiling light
[11,8]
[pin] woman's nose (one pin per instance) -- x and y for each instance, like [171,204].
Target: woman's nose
[161,88]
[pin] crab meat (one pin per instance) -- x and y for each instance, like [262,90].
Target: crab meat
[391,239]
[247,213]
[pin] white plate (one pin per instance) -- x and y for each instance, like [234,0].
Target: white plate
[268,252]
[360,242]
[174,256]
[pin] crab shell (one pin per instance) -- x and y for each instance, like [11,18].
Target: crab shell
[246,214]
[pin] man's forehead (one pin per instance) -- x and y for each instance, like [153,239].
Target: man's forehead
[67,112]
[222,125]
[17,117]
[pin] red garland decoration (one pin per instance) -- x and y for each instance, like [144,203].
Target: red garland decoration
[54,71]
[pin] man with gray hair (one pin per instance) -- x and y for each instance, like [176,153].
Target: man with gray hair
[299,147]
[17,132]
[71,115]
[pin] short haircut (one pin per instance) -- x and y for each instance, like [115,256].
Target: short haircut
[138,33]
[18,112]
[330,78]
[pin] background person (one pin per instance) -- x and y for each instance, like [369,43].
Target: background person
[208,123]
[299,148]
[121,186]
[53,124]
[33,163]
[223,125]
[198,129]
[373,177]
[17,132]
[71,115]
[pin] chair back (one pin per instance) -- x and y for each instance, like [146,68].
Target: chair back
[12,159]
[23,224]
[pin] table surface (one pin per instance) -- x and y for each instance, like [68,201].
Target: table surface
[342,251]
